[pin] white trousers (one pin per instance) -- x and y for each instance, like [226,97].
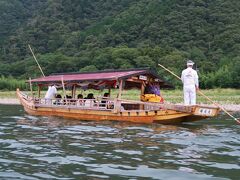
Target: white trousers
[189,95]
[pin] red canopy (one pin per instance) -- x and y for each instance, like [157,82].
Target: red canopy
[101,76]
[95,76]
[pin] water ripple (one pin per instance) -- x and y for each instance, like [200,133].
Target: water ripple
[53,148]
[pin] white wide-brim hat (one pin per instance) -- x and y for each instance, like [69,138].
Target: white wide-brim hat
[190,63]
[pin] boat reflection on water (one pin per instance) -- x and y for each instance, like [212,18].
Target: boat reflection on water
[51,122]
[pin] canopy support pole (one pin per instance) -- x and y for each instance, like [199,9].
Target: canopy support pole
[117,103]
[142,89]
[31,89]
[120,89]
[73,91]
[64,91]
[39,91]
[142,93]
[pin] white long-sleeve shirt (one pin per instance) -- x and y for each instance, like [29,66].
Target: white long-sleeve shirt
[189,77]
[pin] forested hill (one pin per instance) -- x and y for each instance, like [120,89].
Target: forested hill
[84,35]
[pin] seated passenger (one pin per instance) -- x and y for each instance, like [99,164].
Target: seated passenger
[58,99]
[89,102]
[68,97]
[104,101]
[80,101]
[152,93]
[70,100]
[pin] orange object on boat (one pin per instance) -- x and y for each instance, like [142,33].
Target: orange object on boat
[151,98]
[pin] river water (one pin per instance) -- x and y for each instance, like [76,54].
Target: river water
[54,148]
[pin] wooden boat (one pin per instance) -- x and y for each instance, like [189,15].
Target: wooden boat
[114,109]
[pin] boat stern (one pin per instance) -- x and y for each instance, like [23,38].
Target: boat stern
[206,111]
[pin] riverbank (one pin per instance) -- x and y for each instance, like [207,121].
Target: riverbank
[9,101]
[14,101]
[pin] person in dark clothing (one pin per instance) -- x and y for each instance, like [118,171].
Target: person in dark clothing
[104,100]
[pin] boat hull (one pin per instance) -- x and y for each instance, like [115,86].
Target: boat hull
[163,116]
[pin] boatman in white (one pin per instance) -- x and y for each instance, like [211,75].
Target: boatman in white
[190,84]
[52,91]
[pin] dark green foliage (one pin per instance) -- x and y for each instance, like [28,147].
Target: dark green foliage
[11,84]
[89,35]
[90,68]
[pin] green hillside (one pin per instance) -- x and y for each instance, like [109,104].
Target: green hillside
[84,35]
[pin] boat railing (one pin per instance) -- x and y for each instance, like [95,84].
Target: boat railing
[26,97]
[99,104]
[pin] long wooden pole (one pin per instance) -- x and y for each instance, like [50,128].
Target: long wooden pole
[201,93]
[36,60]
